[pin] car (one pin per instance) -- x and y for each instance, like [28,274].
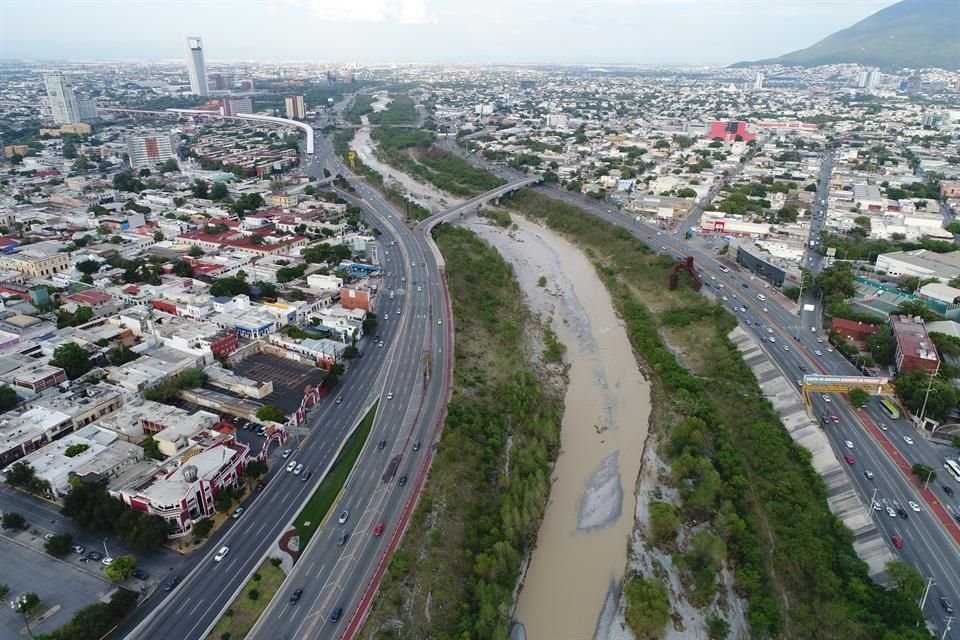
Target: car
[342,539]
[306,476]
[818,353]
[416,446]
[94,555]
[261,485]
[237,513]
[107,561]
[291,465]
[825,397]
[380,344]
[140,574]
[830,349]
[402,481]
[419,289]
[848,444]
[221,554]
[50,536]
[799,382]
[897,541]
[261,431]
[877,506]
[769,330]
[382,445]
[295,596]
[914,506]
[386,315]
[946,604]
[335,614]
[772,339]
[339,399]
[803,367]
[868,474]
[439,321]
[413,264]
[901,513]
[344,517]
[78,548]
[849,459]
[786,348]
[908,439]
[947,490]
[724,298]
[883,427]
[891,512]
[378,530]
[286,453]
[298,469]
[390,396]
[172,583]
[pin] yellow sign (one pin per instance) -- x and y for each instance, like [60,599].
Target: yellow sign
[352,159]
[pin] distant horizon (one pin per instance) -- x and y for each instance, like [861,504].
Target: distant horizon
[656,33]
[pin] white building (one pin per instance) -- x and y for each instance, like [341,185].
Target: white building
[63,103]
[147,151]
[920,263]
[295,107]
[196,67]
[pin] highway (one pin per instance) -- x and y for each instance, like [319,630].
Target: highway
[392,375]
[334,576]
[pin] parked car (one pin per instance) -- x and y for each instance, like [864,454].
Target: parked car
[172,583]
[78,548]
[237,513]
[286,453]
[95,556]
[946,604]
[107,561]
[140,574]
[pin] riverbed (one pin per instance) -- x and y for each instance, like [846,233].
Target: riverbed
[581,549]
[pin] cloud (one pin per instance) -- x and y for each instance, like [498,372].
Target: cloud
[384,11]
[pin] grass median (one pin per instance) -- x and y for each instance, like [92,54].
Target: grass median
[250,604]
[323,498]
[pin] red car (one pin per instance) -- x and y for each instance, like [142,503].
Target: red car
[378,530]
[897,541]
[835,419]
[261,485]
[849,459]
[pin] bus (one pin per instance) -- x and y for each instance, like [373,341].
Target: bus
[953,468]
[889,408]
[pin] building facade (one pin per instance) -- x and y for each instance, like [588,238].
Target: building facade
[147,151]
[63,102]
[234,106]
[915,351]
[295,107]
[196,67]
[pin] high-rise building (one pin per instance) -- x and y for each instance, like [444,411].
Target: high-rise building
[220,81]
[295,108]
[146,151]
[63,103]
[233,106]
[862,80]
[873,79]
[196,67]
[758,81]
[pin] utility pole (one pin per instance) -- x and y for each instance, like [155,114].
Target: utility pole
[923,409]
[926,592]
[947,629]
[106,551]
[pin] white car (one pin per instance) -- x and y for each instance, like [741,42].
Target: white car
[419,289]
[848,444]
[286,453]
[830,349]
[891,512]
[786,348]
[908,439]
[237,513]
[298,469]
[769,330]
[343,517]
[883,427]
[386,315]
[914,506]
[724,298]
[820,340]
[221,554]
[818,352]
[772,339]
[292,465]
[825,397]
[390,396]
[107,561]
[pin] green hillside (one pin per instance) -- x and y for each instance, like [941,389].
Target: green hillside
[911,33]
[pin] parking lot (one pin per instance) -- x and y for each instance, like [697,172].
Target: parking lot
[289,378]
[59,584]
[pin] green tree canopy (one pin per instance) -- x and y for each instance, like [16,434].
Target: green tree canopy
[271,413]
[912,389]
[858,397]
[73,359]
[8,397]
[121,568]
[59,545]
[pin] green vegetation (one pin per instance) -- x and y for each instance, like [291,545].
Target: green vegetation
[500,217]
[12,520]
[8,397]
[401,110]
[23,476]
[75,449]
[323,498]
[912,390]
[151,449]
[169,388]
[121,568]
[271,413]
[855,247]
[554,348]
[250,603]
[93,508]
[394,139]
[923,472]
[96,620]
[648,607]
[731,460]
[361,106]
[858,397]
[73,359]
[59,545]
[481,508]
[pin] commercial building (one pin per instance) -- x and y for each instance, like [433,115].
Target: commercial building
[295,107]
[183,491]
[920,263]
[15,149]
[914,350]
[63,102]
[35,263]
[147,151]
[731,131]
[196,67]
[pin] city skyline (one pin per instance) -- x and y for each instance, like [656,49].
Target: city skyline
[611,32]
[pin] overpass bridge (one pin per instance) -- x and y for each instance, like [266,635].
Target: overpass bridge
[143,113]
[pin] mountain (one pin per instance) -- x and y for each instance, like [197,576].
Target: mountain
[911,33]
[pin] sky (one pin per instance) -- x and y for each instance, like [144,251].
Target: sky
[657,32]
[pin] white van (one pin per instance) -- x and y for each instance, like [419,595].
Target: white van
[761,297]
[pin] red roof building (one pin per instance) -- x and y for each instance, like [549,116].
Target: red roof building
[90,298]
[915,350]
[852,330]
[729,131]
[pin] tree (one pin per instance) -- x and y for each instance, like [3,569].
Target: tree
[717,628]
[256,239]
[648,607]
[905,579]
[88,267]
[223,500]
[686,192]
[219,192]
[121,568]
[923,472]
[230,286]
[16,159]
[4,590]
[836,283]
[59,545]
[81,163]
[69,150]
[792,292]
[912,389]
[182,269]
[151,449]
[202,528]
[255,469]
[271,413]
[73,359]
[12,520]
[169,166]
[195,252]
[200,189]
[267,289]
[664,524]
[8,397]
[858,397]
[26,603]
[124,181]
[881,345]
